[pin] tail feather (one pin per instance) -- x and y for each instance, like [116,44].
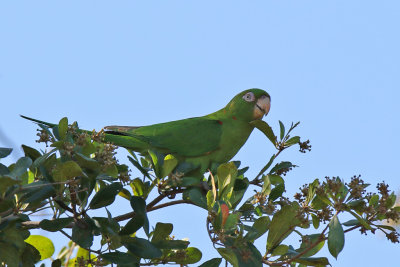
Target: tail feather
[39,121]
[112,135]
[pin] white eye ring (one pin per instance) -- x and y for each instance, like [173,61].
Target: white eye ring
[249,97]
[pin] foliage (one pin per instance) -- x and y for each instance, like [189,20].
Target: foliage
[79,174]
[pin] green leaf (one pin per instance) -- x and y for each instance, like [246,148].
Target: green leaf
[215,262]
[315,221]
[282,225]
[231,221]
[335,237]
[119,257]
[195,195]
[351,223]
[31,152]
[63,127]
[4,152]
[229,255]
[37,191]
[56,224]
[125,194]
[6,182]
[226,174]
[87,162]
[133,224]
[105,196]
[292,141]
[42,244]
[266,129]
[280,166]
[82,236]
[139,167]
[362,221]
[276,192]
[162,231]
[20,167]
[141,248]
[171,244]
[139,206]
[280,250]
[307,261]
[138,187]
[282,129]
[170,162]
[309,240]
[66,171]
[260,227]
[374,200]
[192,255]
[190,181]
[30,256]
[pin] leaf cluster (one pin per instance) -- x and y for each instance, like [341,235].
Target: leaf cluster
[78,173]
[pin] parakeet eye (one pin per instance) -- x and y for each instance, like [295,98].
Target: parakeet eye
[249,97]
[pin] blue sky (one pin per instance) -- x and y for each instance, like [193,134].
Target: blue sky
[333,65]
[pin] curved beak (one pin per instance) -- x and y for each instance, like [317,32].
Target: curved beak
[262,107]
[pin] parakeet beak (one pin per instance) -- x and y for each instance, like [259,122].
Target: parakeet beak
[262,107]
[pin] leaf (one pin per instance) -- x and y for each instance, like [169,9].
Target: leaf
[195,195]
[42,244]
[63,127]
[162,231]
[362,221]
[105,196]
[82,236]
[4,152]
[307,261]
[282,225]
[276,192]
[224,213]
[229,255]
[31,152]
[374,200]
[66,171]
[335,237]
[282,129]
[308,240]
[139,167]
[138,187]
[133,224]
[30,256]
[125,194]
[56,224]
[292,141]
[226,176]
[119,257]
[20,167]
[37,191]
[6,182]
[315,221]
[266,129]
[215,262]
[141,248]
[139,206]
[192,255]
[170,162]
[260,227]
[171,244]
[280,250]
[351,223]
[280,166]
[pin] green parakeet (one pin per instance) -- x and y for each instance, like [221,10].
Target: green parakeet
[201,142]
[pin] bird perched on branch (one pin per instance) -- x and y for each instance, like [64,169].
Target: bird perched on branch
[201,142]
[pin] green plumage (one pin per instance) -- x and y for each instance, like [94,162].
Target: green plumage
[200,141]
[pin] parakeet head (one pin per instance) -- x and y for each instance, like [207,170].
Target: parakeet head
[249,105]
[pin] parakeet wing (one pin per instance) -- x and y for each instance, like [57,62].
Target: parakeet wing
[188,138]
